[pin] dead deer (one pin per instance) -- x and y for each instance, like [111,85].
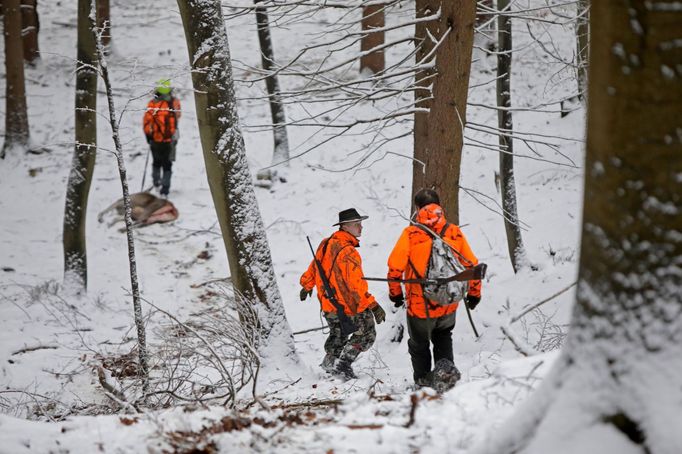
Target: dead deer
[146,209]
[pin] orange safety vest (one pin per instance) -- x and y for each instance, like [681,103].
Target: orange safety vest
[161,119]
[342,265]
[410,258]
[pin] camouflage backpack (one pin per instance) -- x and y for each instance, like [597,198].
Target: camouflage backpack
[443,264]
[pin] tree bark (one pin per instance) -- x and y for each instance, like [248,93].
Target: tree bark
[439,133]
[505,124]
[281,141]
[582,40]
[143,357]
[85,152]
[372,18]
[16,113]
[30,28]
[104,21]
[618,374]
[228,173]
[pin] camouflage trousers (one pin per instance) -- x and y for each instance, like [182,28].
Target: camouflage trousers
[348,348]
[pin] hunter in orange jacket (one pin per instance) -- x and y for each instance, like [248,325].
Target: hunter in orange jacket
[428,322]
[160,122]
[342,266]
[160,126]
[410,258]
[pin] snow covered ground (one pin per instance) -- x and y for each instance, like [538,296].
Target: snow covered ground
[51,341]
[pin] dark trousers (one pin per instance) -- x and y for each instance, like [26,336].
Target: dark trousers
[161,159]
[348,348]
[423,332]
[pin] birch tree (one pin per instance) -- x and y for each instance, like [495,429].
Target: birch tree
[617,378]
[228,173]
[84,155]
[441,96]
[16,112]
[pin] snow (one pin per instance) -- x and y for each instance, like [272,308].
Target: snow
[175,261]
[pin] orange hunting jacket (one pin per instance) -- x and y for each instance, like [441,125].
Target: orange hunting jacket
[412,252]
[343,267]
[161,119]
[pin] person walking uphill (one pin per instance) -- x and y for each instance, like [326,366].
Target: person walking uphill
[160,125]
[428,321]
[341,263]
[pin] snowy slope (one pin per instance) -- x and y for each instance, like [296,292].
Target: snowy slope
[65,337]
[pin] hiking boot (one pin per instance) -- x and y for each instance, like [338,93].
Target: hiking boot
[445,375]
[327,364]
[424,382]
[344,370]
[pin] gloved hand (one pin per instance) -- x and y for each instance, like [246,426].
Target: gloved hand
[149,139]
[472,301]
[398,300]
[379,314]
[176,136]
[305,293]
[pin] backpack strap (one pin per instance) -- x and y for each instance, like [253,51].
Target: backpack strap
[457,253]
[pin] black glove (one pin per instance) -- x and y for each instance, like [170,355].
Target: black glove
[472,301]
[305,293]
[398,300]
[379,314]
[149,139]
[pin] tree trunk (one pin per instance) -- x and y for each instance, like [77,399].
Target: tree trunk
[228,173]
[104,22]
[582,32]
[505,124]
[85,152]
[16,115]
[142,355]
[438,133]
[618,376]
[372,18]
[281,141]
[30,28]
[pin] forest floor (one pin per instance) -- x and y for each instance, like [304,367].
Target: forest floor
[52,342]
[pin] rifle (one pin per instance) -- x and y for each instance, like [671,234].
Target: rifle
[474,273]
[347,325]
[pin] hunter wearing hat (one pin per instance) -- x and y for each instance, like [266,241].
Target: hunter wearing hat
[160,125]
[341,263]
[428,322]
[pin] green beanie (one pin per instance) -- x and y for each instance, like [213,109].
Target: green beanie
[163,86]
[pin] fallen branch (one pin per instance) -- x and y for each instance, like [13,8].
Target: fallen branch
[365,426]
[34,348]
[109,387]
[536,305]
[224,280]
[311,404]
[519,345]
[319,328]
[414,400]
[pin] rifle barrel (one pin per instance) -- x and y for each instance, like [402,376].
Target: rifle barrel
[469,274]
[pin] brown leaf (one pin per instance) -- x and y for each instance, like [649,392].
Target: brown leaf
[128,421]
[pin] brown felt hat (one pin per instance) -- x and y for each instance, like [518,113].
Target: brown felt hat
[350,215]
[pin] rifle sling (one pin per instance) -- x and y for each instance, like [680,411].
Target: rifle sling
[331,298]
